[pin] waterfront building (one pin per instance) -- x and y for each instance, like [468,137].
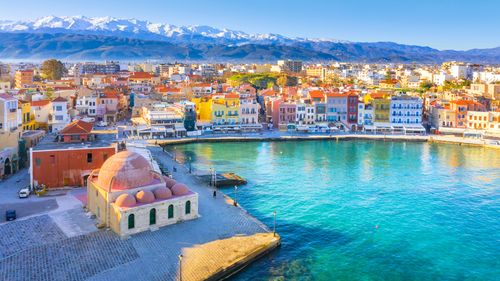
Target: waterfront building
[129,197]
[460,107]
[405,110]
[381,108]
[443,117]
[283,113]
[249,108]
[478,120]
[352,110]
[336,108]
[320,111]
[203,108]
[225,109]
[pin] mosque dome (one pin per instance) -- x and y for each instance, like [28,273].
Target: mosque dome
[145,196]
[162,193]
[125,200]
[179,189]
[169,182]
[125,170]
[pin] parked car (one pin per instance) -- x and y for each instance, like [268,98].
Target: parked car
[10,215]
[24,193]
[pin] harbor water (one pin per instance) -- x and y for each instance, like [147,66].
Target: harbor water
[366,210]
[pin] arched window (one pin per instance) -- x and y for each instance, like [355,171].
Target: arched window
[152,216]
[171,211]
[131,221]
[188,207]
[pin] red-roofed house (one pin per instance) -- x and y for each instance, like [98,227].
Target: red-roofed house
[77,131]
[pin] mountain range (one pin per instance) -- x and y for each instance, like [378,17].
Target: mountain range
[85,38]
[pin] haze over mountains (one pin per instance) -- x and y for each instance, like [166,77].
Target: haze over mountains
[83,38]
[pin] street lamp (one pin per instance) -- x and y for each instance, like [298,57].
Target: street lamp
[175,156]
[180,267]
[190,169]
[235,203]
[274,228]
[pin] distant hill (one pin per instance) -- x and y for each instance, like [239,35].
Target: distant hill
[81,38]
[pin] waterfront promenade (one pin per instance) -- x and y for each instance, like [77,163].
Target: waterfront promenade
[285,136]
[53,253]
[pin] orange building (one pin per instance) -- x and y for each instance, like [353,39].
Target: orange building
[24,78]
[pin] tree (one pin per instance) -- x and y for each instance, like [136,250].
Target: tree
[53,69]
[426,85]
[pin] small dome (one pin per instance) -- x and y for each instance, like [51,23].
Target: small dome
[125,200]
[162,193]
[125,170]
[145,196]
[169,182]
[180,189]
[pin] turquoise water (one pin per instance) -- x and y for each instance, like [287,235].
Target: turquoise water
[358,210]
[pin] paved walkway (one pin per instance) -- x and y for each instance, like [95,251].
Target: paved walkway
[63,244]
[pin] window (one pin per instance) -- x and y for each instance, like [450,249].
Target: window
[131,221]
[171,211]
[89,157]
[59,117]
[152,216]
[58,108]
[188,207]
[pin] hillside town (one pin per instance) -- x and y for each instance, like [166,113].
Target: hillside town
[158,101]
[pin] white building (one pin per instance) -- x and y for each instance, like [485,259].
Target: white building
[405,110]
[59,117]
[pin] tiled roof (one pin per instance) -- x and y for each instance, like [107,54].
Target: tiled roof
[77,127]
[40,103]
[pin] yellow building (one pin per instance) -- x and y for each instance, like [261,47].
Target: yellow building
[376,95]
[10,134]
[225,109]
[381,109]
[203,108]
[28,117]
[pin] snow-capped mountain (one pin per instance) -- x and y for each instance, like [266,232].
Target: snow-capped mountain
[140,29]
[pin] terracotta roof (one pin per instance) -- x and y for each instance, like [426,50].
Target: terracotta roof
[317,94]
[232,96]
[140,75]
[77,127]
[59,99]
[40,103]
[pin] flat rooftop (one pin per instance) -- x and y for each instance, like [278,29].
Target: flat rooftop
[49,143]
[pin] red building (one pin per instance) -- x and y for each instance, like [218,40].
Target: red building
[57,164]
[352,110]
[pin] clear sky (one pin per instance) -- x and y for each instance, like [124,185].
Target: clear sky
[442,24]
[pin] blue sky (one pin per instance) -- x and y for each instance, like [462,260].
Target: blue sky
[442,24]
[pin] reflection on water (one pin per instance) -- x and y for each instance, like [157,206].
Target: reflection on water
[368,210]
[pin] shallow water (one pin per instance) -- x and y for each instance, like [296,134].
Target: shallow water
[361,210]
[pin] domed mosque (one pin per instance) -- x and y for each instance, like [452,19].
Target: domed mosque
[128,196]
